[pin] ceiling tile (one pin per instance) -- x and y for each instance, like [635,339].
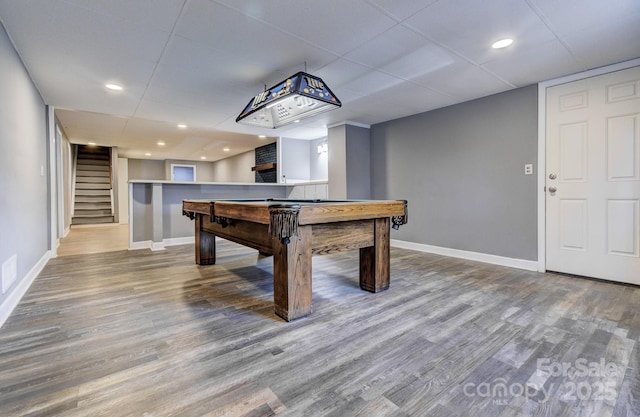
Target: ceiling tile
[190,73]
[71,70]
[462,80]
[371,82]
[469,27]
[335,25]
[611,44]
[412,98]
[402,9]
[196,116]
[581,15]
[341,72]
[596,32]
[83,126]
[144,14]
[423,60]
[387,47]
[526,67]
[264,48]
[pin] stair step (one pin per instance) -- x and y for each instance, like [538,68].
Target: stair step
[92,153]
[89,166]
[106,193]
[92,220]
[92,212]
[93,158]
[93,162]
[92,172]
[92,206]
[93,180]
[95,203]
[98,150]
[92,186]
[93,199]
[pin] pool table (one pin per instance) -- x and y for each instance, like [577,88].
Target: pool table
[294,230]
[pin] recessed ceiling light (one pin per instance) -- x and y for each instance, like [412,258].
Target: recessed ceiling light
[113,87]
[147,154]
[262,136]
[91,144]
[161,143]
[182,126]
[502,43]
[226,149]
[203,157]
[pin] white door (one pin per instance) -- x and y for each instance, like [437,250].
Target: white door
[593,177]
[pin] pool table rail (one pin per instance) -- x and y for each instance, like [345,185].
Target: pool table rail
[319,211]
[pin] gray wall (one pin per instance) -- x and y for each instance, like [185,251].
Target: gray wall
[358,164]
[146,169]
[235,168]
[462,170]
[337,170]
[24,206]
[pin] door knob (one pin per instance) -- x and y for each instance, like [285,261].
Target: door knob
[552,176]
[552,189]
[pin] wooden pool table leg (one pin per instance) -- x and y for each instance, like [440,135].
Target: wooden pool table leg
[374,260]
[205,244]
[292,275]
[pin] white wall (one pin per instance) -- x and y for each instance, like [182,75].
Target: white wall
[300,160]
[123,190]
[66,181]
[318,162]
[294,159]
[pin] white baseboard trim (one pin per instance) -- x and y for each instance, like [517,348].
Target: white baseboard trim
[471,256]
[149,244]
[179,241]
[21,288]
[146,244]
[157,246]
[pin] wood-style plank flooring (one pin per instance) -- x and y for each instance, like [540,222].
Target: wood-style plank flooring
[150,334]
[83,239]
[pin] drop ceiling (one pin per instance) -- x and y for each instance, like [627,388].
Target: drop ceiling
[198,62]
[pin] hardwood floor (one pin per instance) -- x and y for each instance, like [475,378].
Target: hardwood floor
[150,334]
[84,239]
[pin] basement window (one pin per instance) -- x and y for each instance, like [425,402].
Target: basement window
[183,172]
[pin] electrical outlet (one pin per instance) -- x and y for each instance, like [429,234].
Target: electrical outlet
[9,272]
[528,169]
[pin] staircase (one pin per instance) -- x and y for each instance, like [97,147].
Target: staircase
[93,186]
